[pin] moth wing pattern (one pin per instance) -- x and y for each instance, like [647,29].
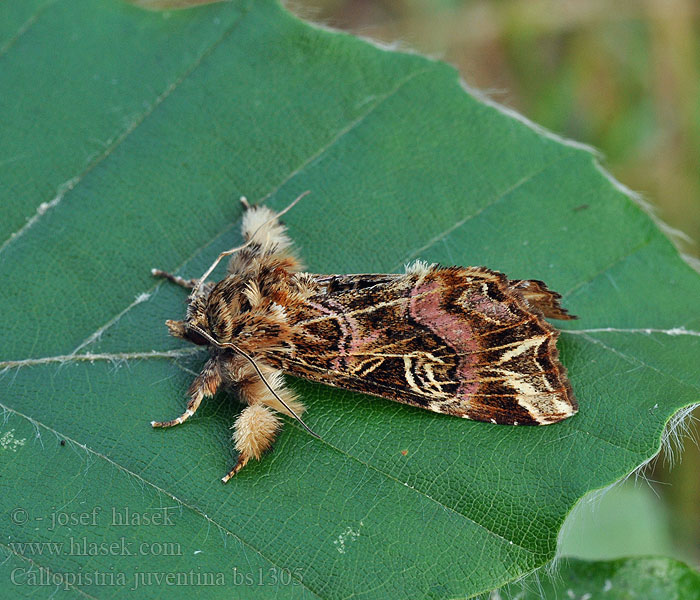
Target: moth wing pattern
[463,341]
[537,295]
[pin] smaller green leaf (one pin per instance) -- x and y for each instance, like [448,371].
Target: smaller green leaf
[608,526]
[650,578]
[170,4]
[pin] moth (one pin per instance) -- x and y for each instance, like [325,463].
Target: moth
[462,341]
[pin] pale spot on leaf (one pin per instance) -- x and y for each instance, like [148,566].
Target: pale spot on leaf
[8,441]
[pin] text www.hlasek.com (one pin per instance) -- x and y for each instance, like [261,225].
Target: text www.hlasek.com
[82,547]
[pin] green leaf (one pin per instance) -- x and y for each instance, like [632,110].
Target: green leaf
[629,519]
[127,138]
[649,578]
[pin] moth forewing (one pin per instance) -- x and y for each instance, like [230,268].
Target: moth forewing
[459,341]
[462,341]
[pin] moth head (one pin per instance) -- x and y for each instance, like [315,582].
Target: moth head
[182,330]
[211,315]
[224,311]
[196,321]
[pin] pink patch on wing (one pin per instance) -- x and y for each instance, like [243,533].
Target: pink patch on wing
[455,331]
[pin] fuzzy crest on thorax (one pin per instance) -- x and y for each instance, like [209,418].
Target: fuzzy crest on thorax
[250,309]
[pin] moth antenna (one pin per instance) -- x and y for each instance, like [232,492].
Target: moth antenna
[197,287]
[250,359]
[269,387]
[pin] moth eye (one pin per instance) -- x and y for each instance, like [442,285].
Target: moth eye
[196,338]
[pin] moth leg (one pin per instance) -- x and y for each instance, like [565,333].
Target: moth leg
[253,433]
[186,283]
[254,391]
[205,384]
[267,241]
[258,425]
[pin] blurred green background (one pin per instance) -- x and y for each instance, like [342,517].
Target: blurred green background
[623,77]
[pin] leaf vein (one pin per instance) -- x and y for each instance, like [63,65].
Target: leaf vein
[161,490]
[113,357]
[420,493]
[26,26]
[674,331]
[341,133]
[634,359]
[33,562]
[444,234]
[305,163]
[615,262]
[70,184]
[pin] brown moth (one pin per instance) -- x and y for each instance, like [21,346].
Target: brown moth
[463,341]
